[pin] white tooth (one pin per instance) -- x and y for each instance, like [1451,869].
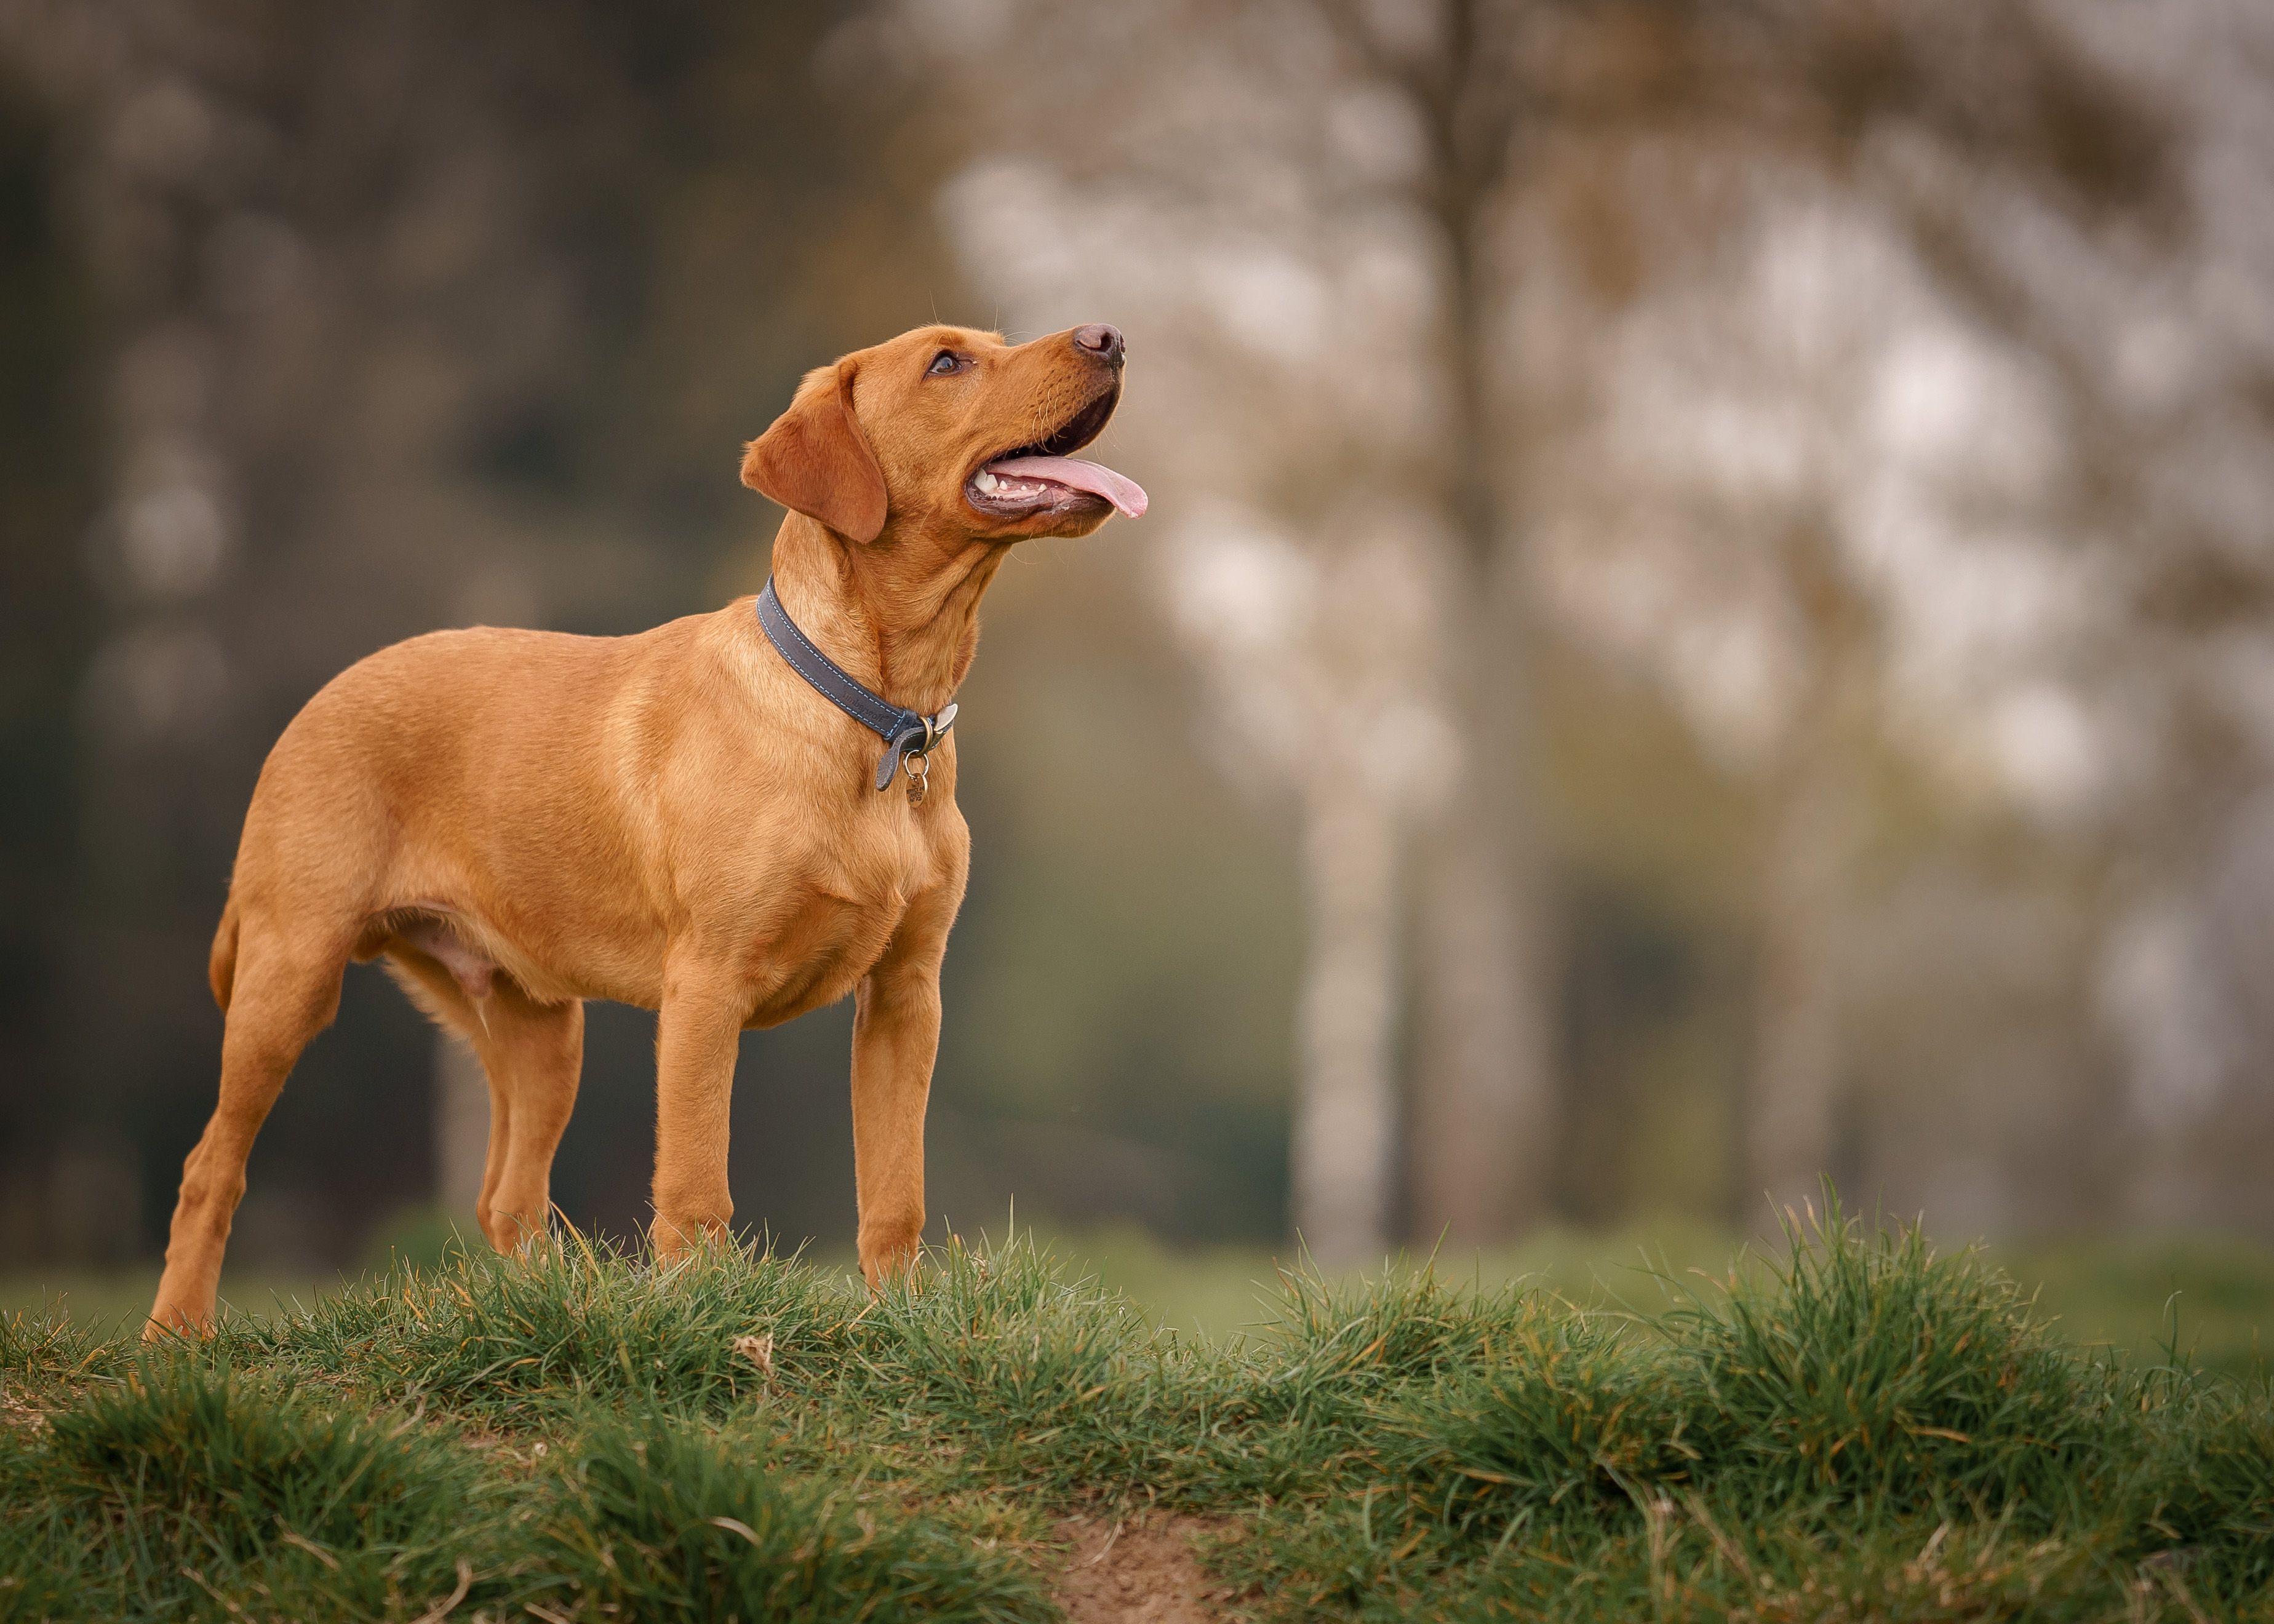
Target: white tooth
[986,481]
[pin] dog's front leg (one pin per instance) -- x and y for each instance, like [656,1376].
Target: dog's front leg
[698,1033]
[895,1038]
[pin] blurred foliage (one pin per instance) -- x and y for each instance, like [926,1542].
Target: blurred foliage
[463,314]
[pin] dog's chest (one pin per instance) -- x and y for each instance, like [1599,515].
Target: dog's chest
[840,915]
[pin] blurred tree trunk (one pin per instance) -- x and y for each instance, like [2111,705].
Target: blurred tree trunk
[1483,1105]
[1794,1112]
[1343,1158]
[2161,992]
[1483,1113]
[1793,1109]
[1483,1086]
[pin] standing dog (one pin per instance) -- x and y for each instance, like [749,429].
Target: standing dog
[519,821]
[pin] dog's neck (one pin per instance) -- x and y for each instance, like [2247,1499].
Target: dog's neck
[901,615]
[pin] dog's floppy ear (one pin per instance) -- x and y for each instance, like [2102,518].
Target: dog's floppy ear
[816,460]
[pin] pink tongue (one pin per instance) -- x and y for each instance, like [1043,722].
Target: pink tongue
[1123,491]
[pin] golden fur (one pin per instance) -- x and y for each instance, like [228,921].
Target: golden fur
[518,821]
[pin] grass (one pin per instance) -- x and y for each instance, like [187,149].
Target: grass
[1861,1429]
[2212,1298]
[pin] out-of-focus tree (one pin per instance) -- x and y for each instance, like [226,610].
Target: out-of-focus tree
[1466,78]
[1312,653]
[1775,434]
[1879,389]
[1787,289]
[1308,663]
[2011,219]
[2157,334]
[1334,181]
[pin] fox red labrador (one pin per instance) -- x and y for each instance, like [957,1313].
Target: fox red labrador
[731,819]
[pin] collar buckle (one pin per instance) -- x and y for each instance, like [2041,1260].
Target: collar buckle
[915,759]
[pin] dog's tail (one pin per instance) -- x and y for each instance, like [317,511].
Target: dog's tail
[220,969]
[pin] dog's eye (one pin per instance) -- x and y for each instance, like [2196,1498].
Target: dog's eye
[946,361]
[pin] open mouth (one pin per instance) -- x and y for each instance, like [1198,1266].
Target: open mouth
[1046,477]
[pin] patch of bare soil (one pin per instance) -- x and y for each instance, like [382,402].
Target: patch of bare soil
[1137,1570]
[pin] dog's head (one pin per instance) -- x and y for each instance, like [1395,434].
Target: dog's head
[951,432]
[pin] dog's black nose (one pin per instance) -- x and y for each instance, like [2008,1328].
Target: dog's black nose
[1100,340]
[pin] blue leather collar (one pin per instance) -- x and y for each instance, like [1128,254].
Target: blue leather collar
[908,736]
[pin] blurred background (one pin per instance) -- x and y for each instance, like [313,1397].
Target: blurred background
[1707,618]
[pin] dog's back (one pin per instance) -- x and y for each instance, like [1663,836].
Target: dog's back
[406,762]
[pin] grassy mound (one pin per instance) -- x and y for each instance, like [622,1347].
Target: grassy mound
[182,1486]
[1863,1430]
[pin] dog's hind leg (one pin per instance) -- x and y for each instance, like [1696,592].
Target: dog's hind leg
[284,989]
[532,1055]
